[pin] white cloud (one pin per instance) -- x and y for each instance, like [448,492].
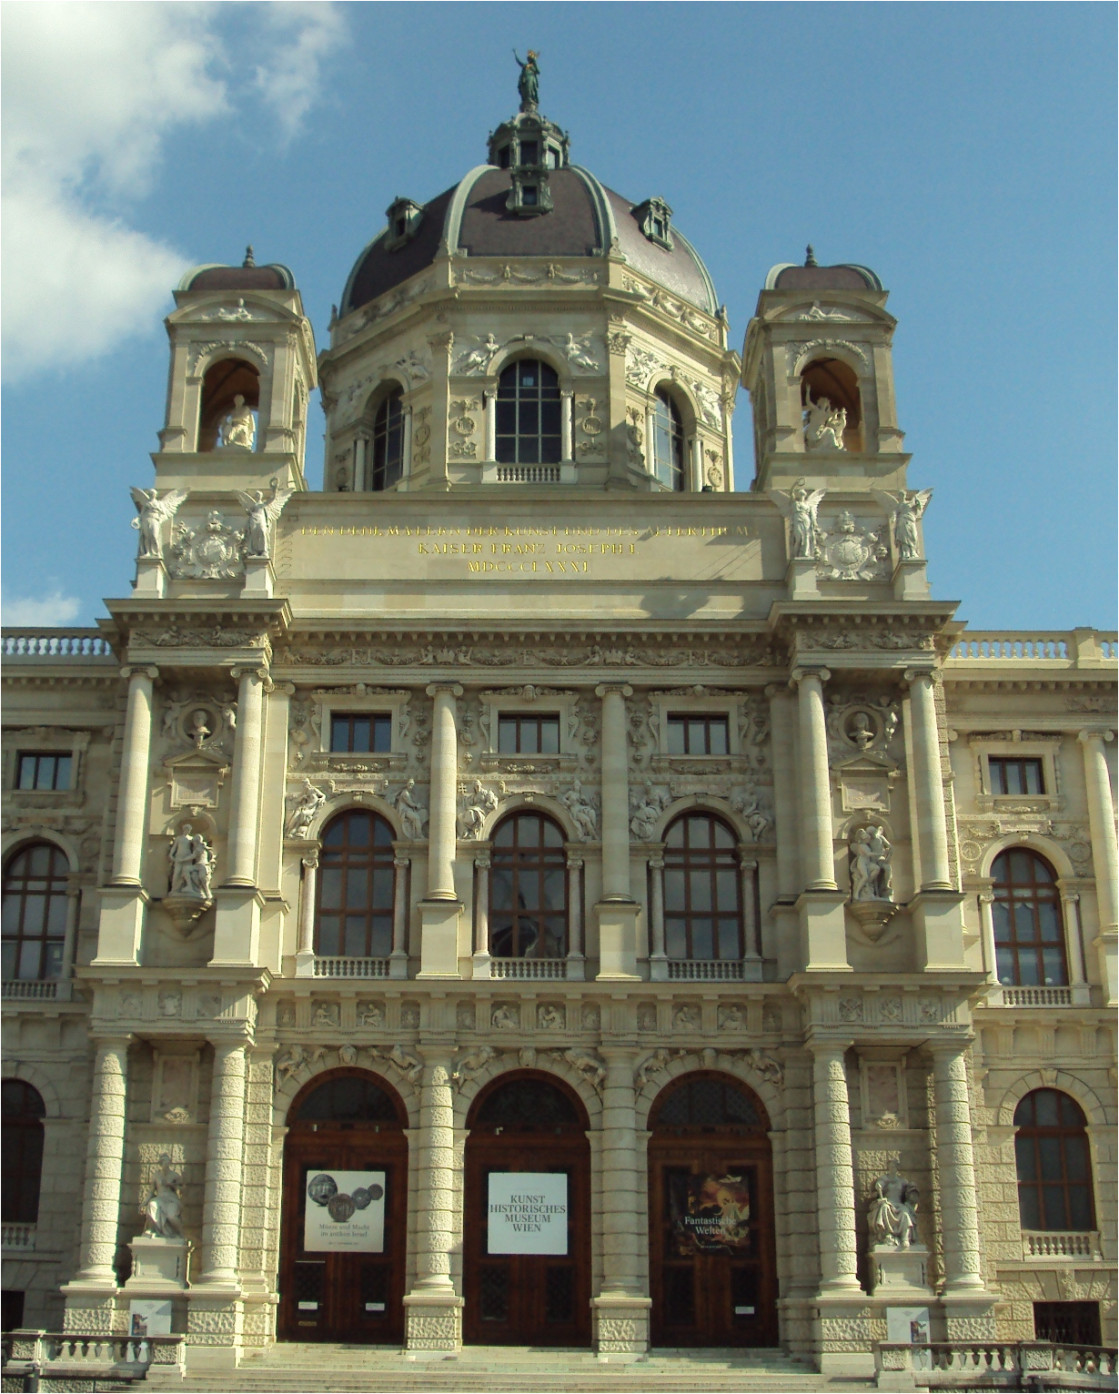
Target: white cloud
[51,609]
[90,92]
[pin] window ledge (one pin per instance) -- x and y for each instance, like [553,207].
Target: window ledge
[563,473]
[706,970]
[17,1236]
[1040,996]
[528,968]
[1050,1244]
[350,967]
[36,990]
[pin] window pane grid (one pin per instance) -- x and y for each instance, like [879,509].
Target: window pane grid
[387,463]
[698,734]
[43,770]
[361,732]
[1029,931]
[356,888]
[668,443]
[1015,775]
[528,889]
[702,891]
[528,414]
[528,735]
[1051,1155]
[34,913]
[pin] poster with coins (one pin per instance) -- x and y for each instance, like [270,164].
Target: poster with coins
[345,1211]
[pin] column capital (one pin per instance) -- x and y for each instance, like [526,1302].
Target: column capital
[259,673]
[118,1042]
[1095,733]
[776,689]
[310,858]
[914,675]
[948,1047]
[286,689]
[574,863]
[482,860]
[400,861]
[622,689]
[824,1045]
[435,688]
[801,674]
[140,670]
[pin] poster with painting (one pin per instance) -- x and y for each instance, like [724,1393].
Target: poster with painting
[711,1213]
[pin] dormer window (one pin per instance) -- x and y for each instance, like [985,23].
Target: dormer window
[655,218]
[530,193]
[530,152]
[404,218]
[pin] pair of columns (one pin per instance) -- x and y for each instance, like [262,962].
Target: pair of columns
[221,1206]
[837,1217]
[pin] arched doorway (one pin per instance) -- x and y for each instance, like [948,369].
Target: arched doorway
[345,1212]
[711,1248]
[526,1272]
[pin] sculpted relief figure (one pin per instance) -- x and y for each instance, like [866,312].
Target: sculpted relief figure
[153,513]
[192,864]
[480,803]
[413,814]
[870,864]
[238,427]
[823,424]
[304,808]
[262,512]
[581,809]
[892,1215]
[163,1208]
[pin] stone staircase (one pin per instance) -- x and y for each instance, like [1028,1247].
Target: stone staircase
[297,1368]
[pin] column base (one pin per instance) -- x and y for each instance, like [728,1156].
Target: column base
[439,922]
[841,1333]
[482,965]
[621,1327]
[432,1323]
[969,1316]
[398,964]
[237,926]
[91,1306]
[938,920]
[618,922]
[305,965]
[121,925]
[823,931]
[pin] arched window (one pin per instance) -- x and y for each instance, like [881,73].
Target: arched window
[387,462]
[668,442]
[528,414]
[528,889]
[1051,1154]
[348,1099]
[23,1113]
[355,887]
[704,1103]
[225,382]
[1029,934]
[702,890]
[34,912]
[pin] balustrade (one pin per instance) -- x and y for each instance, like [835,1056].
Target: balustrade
[56,643]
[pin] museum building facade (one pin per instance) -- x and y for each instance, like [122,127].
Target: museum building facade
[523,891]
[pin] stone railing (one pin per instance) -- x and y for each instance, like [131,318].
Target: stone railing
[74,1356]
[993,1364]
[54,643]
[14,1235]
[351,967]
[1050,1243]
[695,970]
[1037,996]
[526,968]
[1070,649]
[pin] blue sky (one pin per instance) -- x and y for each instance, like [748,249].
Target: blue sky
[964,151]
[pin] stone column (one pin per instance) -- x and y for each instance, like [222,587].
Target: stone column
[433,1310]
[406,443]
[835,1173]
[567,401]
[1074,944]
[782,726]
[305,954]
[245,801]
[360,447]
[221,1204]
[751,935]
[489,404]
[955,1154]
[621,1310]
[576,960]
[398,959]
[1105,860]
[617,911]
[482,957]
[928,783]
[73,910]
[658,957]
[104,1162]
[440,908]
[132,799]
[814,782]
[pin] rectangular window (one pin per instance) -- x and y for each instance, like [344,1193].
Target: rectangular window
[1067,1323]
[528,735]
[44,770]
[1014,775]
[698,734]
[361,732]
[530,152]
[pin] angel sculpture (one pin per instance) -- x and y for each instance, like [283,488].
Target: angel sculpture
[799,506]
[906,509]
[262,512]
[476,360]
[154,512]
[578,352]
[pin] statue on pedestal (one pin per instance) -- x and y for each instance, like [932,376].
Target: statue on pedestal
[892,1215]
[238,427]
[528,84]
[163,1209]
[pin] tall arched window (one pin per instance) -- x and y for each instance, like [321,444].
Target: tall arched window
[1029,934]
[34,912]
[355,887]
[23,1114]
[528,889]
[668,442]
[702,890]
[1054,1172]
[528,414]
[387,462]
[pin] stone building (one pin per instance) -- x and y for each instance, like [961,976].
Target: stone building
[512,888]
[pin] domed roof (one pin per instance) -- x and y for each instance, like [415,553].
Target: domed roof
[585,220]
[810,276]
[247,276]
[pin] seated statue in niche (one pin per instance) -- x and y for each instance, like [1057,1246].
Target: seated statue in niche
[892,1215]
[163,1209]
[238,427]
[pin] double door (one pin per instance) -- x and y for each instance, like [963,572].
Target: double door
[711,1249]
[352,1294]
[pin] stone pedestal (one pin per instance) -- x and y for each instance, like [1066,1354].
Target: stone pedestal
[800,578]
[617,940]
[911,580]
[900,1275]
[439,922]
[160,1267]
[432,1324]
[151,578]
[260,579]
[621,1327]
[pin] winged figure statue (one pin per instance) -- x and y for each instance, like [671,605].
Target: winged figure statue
[799,506]
[906,509]
[263,512]
[153,513]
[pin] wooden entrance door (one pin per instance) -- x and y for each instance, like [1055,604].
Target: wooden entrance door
[533,1299]
[711,1240]
[338,1295]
